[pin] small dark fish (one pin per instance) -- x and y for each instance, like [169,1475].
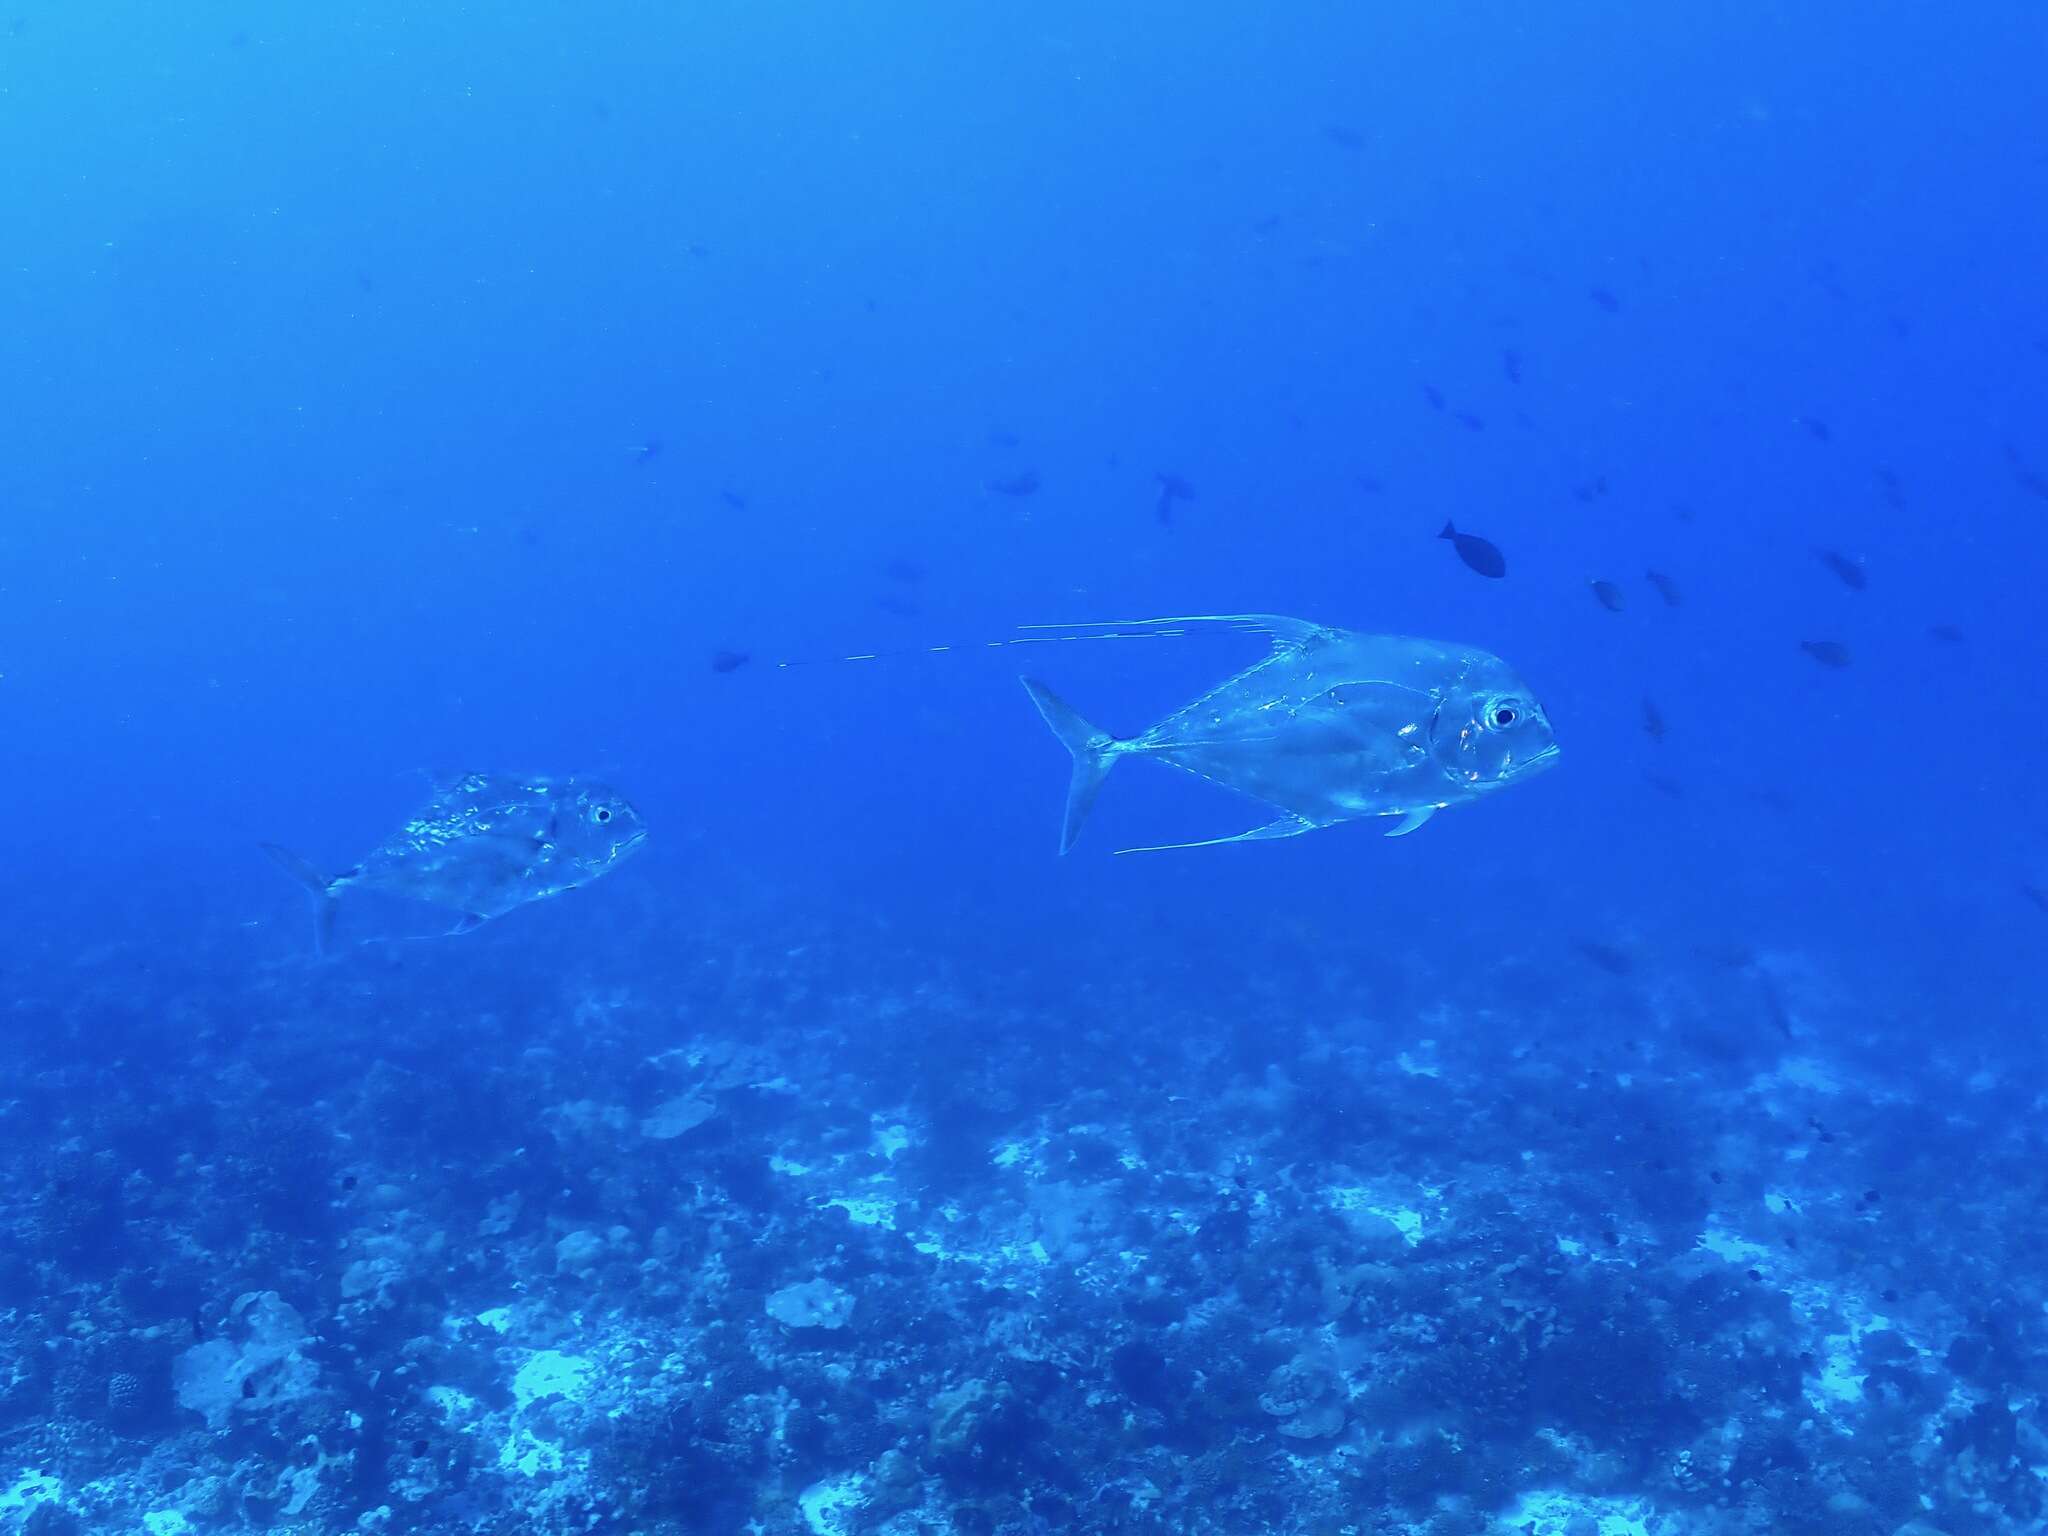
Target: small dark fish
[1666,588]
[733,499]
[1609,595]
[1476,552]
[1894,493]
[1172,488]
[1769,799]
[1605,298]
[1947,634]
[647,452]
[1591,490]
[1653,720]
[1670,789]
[729,661]
[1511,364]
[1774,1005]
[1851,574]
[2035,894]
[1003,437]
[1683,513]
[1815,428]
[1468,421]
[1614,962]
[1023,483]
[1371,485]
[909,572]
[2032,481]
[1829,653]
[1434,396]
[1342,137]
[899,605]
[1267,225]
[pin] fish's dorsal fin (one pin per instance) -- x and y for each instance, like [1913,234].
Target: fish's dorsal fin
[1285,633]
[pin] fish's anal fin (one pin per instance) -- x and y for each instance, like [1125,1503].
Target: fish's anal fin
[1411,821]
[1286,826]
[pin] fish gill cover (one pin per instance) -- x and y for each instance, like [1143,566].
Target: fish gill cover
[427,428]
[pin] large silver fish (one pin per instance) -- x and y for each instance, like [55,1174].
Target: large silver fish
[484,844]
[1329,726]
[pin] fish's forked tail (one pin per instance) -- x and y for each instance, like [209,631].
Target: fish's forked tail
[322,889]
[1094,755]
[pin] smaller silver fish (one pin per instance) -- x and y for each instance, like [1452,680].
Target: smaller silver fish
[483,845]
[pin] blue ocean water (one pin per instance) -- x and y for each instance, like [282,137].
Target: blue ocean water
[398,392]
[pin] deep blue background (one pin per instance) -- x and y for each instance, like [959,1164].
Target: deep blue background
[329,333]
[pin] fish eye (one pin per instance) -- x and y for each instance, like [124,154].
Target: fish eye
[601,815]
[1506,713]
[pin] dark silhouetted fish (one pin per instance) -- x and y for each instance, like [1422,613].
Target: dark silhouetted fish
[1653,720]
[733,499]
[1608,594]
[1894,492]
[1468,421]
[899,605]
[1775,1011]
[1267,225]
[1670,789]
[647,452]
[1511,365]
[1023,483]
[1947,634]
[1342,137]
[909,572]
[1172,488]
[1434,396]
[2030,480]
[1614,962]
[1370,484]
[1003,437]
[1605,298]
[2035,894]
[729,661]
[1591,490]
[1478,553]
[1829,653]
[1666,588]
[1815,428]
[1850,573]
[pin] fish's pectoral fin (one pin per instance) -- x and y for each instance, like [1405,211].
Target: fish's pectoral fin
[1287,826]
[1412,820]
[469,922]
